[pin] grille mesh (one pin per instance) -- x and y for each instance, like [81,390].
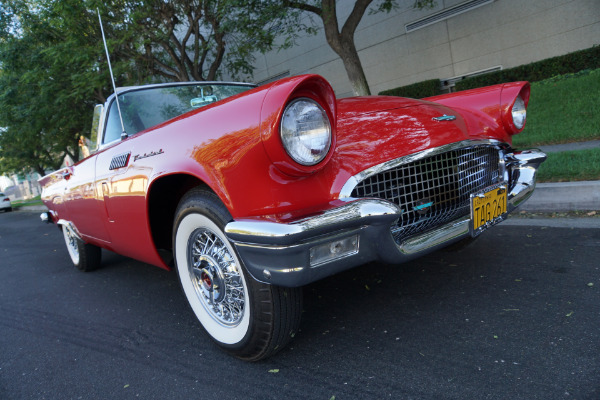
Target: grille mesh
[434,190]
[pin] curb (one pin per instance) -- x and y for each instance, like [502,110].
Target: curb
[31,208]
[566,222]
[557,148]
[564,196]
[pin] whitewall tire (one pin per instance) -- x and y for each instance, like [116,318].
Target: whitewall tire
[212,279]
[86,257]
[247,318]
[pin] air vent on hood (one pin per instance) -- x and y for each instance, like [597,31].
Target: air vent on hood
[446,13]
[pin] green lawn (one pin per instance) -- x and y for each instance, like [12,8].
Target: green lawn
[563,109]
[566,166]
[36,201]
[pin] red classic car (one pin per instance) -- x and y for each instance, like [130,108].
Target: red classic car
[251,192]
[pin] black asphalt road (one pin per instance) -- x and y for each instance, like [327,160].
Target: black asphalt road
[514,316]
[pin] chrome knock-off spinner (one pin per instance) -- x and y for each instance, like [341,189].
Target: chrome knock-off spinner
[216,277]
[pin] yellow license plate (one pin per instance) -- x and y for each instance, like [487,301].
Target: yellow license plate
[487,208]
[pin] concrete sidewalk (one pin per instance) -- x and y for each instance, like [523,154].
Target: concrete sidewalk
[564,196]
[557,148]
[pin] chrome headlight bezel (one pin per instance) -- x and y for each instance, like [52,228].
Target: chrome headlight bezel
[519,113]
[305,131]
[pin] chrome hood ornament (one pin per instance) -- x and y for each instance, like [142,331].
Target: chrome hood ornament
[445,118]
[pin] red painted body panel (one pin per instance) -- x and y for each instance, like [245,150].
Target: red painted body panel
[488,109]
[233,146]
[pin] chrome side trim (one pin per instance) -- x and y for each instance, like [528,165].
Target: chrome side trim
[346,192]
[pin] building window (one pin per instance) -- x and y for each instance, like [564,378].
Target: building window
[449,84]
[446,13]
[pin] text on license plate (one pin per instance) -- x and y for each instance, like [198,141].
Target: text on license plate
[487,208]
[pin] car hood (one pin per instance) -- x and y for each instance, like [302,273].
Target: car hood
[373,130]
[367,104]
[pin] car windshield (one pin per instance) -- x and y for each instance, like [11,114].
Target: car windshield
[146,107]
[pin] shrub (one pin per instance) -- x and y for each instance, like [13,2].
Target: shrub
[539,70]
[587,59]
[416,90]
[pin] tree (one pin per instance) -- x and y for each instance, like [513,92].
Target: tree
[48,80]
[53,67]
[342,40]
[182,40]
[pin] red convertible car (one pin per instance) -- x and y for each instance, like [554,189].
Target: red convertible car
[251,192]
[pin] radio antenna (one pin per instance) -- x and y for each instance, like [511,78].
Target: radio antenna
[123,133]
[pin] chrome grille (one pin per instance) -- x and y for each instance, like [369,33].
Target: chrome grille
[434,190]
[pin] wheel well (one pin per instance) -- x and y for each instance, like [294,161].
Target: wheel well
[163,198]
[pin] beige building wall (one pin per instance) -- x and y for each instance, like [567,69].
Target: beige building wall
[496,33]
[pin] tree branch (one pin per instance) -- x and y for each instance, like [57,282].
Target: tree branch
[303,7]
[219,39]
[354,18]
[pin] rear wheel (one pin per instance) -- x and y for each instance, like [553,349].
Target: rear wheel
[86,257]
[247,318]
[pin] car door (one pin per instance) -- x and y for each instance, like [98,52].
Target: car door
[83,202]
[122,184]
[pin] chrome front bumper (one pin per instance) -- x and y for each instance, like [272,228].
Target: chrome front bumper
[283,253]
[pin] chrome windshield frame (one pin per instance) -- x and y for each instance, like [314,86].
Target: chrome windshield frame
[129,89]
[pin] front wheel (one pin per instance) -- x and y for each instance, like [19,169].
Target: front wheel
[86,257]
[247,318]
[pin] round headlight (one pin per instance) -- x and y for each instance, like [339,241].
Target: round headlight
[519,113]
[305,131]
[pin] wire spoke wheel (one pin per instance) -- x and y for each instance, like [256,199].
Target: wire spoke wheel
[86,257]
[216,277]
[247,318]
[71,242]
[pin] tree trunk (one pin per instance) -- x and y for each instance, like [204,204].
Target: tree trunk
[40,170]
[343,42]
[354,69]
